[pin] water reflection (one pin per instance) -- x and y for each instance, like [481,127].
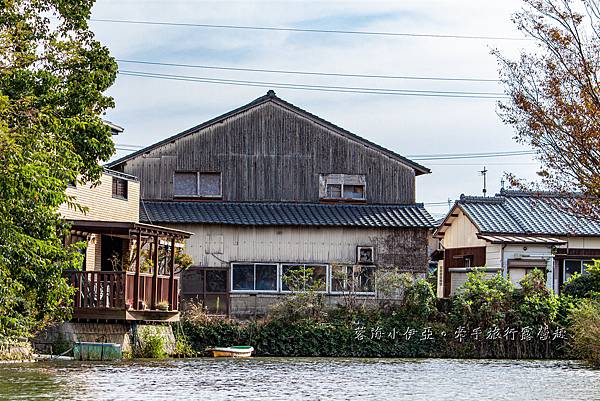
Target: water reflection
[302,379]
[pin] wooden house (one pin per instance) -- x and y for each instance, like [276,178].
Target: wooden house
[268,187]
[513,233]
[128,272]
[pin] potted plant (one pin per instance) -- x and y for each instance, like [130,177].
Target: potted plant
[129,304]
[162,305]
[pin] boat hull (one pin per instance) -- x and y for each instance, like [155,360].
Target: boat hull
[231,352]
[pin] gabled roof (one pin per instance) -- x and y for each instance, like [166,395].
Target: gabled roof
[524,213]
[271,97]
[286,214]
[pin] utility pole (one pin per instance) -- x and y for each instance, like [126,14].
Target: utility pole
[484,173]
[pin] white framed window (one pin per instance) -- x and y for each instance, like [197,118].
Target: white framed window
[254,277]
[357,279]
[197,184]
[571,266]
[349,187]
[310,274]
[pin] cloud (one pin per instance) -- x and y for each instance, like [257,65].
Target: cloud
[151,110]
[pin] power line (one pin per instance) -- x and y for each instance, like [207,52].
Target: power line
[476,153]
[441,156]
[322,88]
[318,73]
[306,30]
[482,156]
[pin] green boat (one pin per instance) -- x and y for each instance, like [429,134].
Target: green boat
[87,351]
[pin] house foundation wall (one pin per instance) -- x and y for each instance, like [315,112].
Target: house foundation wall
[61,337]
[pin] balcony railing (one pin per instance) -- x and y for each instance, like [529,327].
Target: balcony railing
[116,291]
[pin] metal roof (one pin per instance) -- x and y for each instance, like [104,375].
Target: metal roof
[516,212]
[286,214]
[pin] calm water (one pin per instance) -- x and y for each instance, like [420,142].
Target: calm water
[302,379]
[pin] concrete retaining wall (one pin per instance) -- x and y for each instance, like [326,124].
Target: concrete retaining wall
[62,336]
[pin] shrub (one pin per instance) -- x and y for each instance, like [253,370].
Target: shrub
[584,285]
[149,344]
[585,331]
[482,301]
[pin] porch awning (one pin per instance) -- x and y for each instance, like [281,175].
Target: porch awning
[125,228]
[521,239]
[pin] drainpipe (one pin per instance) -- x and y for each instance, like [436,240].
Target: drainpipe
[504,271]
[550,273]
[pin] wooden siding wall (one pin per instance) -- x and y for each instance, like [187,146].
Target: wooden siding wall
[454,257]
[219,245]
[100,203]
[270,153]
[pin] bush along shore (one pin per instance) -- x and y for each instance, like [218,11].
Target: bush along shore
[487,318]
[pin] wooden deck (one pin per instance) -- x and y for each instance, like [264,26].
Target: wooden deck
[123,296]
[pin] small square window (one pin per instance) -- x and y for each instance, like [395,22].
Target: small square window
[185,184]
[209,184]
[342,187]
[119,188]
[197,184]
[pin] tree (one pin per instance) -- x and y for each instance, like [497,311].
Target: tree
[554,94]
[52,77]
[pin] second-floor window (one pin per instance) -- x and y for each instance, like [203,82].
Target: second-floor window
[342,187]
[197,184]
[119,188]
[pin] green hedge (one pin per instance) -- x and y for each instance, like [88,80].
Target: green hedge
[487,319]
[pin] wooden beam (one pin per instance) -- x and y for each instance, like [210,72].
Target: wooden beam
[155,272]
[172,292]
[136,279]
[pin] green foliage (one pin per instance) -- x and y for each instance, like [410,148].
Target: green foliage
[305,300]
[51,133]
[149,344]
[402,330]
[482,300]
[584,285]
[585,331]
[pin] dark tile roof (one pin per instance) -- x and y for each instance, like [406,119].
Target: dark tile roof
[271,97]
[286,214]
[516,212]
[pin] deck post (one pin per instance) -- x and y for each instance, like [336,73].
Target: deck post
[172,275]
[136,278]
[155,272]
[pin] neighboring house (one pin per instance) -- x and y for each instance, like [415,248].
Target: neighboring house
[514,232]
[268,187]
[118,280]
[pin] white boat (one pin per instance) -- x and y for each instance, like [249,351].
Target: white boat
[238,351]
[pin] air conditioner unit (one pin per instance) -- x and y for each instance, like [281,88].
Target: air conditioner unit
[365,255]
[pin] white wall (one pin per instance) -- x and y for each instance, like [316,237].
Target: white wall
[219,245]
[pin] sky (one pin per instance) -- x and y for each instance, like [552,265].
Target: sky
[153,109]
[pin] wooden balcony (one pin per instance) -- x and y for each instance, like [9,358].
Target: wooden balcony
[111,296]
